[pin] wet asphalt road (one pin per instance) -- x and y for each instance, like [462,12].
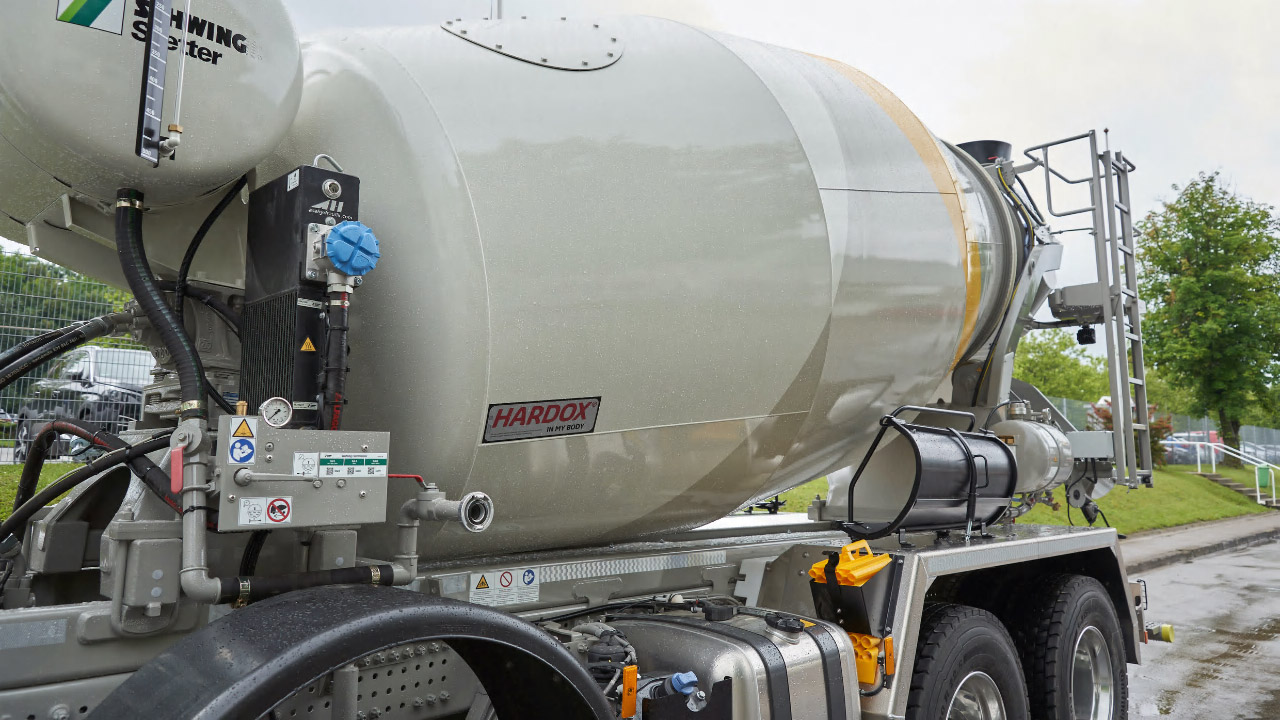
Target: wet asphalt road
[1225,663]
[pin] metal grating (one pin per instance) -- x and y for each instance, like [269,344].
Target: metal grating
[267,356]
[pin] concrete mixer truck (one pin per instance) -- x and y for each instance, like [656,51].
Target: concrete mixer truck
[471,340]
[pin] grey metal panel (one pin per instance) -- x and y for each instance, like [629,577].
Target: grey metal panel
[44,701]
[564,44]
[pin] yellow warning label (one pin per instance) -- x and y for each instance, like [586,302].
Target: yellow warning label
[483,584]
[308,346]
[243,431]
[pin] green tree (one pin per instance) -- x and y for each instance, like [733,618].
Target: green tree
[1053,362]
[1213,311]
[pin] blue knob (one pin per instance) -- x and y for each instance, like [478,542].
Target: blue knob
[352,248]
[684,683]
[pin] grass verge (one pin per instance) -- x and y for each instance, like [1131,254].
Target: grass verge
[1178,498]
[9,475]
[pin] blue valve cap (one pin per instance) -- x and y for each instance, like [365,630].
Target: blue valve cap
[684,683]
[352,248]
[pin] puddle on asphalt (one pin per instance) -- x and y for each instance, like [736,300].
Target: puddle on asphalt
[1209,672]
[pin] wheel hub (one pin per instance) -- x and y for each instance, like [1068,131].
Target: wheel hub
[1091,677]
[976,698]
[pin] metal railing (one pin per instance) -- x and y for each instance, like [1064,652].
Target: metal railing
[1215,448]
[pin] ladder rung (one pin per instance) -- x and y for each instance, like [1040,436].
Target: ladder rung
[1122,207]
[1136,381]
[1128,293]
[1124,248]
[1138,426]
[1132,338]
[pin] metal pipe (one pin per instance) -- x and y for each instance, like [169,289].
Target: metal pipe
[193,438]
[344,692]
[474,511]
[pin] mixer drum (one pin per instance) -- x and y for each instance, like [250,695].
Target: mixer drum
[732,258]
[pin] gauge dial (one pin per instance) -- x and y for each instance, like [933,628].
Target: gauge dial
[276,412]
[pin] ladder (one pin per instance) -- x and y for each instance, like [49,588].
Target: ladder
[1117,293]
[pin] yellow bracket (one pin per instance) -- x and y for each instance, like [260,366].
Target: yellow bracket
[857,565]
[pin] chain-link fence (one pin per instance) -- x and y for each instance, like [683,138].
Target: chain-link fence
[99,383]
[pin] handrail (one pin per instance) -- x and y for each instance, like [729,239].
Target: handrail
[1238,454]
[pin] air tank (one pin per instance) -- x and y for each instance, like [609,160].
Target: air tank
[731,259]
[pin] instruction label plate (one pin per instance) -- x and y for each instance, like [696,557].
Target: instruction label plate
[541,419]
[513,586]
[346,464]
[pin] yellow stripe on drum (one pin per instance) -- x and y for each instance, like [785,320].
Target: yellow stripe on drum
[944,178]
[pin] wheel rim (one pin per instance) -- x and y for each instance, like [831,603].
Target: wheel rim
[1091,677]
[977,698]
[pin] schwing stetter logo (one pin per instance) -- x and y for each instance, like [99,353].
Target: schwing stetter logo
[107,15]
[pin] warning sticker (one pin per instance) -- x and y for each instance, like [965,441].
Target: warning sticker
[308,346]
[246,428]
[349,464]
[546,418]
[266,511]
[516,586]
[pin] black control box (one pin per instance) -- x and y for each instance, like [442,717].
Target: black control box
[284,327]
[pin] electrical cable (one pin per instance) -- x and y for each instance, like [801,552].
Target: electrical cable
[1027,193]
[180,286]
[213,302]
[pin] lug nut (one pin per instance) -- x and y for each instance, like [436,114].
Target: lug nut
[419,702]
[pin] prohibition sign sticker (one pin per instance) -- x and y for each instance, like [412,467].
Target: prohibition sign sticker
[278,510]
[505,579]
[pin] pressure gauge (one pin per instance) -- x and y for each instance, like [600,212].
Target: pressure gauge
[276,412]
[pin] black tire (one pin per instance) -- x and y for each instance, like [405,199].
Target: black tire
[957,641]
[1048,634]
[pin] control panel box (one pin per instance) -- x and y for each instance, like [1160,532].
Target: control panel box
[269,477]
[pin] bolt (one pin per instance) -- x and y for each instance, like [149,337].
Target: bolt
[268,458]
[362,715]
[270,446]
[444,695]
[367,661]
[231,498]
[331,189]
[60,712]
[312,274]
[364,494]
[499,47]
[375,712]
[701,695]
[434,647]
[419,702]
[395,655]
[422,649]
[316,484]
[364,448]
[382,657]
[359,281]
[341,483]
[431,699]
[464,32]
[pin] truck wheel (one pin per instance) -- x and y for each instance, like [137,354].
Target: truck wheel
[966,668]
[1072,652]
[244,664]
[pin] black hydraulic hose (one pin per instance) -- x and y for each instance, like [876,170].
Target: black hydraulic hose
[69,339]
[180,289]
[142,283]
[16,523]
[152,476]
[243,590]
[30,344]
[213,302]
[249,560]
[336,360]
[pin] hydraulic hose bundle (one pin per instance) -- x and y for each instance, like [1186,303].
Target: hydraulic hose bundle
[28,355]
[137,273]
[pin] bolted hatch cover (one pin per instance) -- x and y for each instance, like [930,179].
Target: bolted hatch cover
[563,44]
